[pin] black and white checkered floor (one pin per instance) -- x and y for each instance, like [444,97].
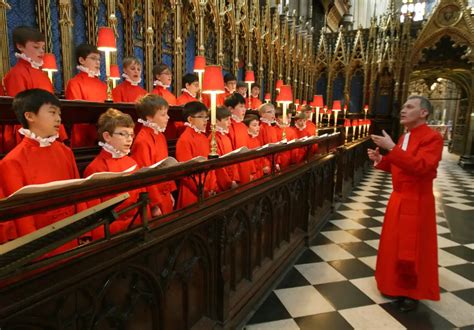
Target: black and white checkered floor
[332,285]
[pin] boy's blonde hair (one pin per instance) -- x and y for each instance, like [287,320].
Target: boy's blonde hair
[263,108]
[111,119]
[149,104]
[129,60]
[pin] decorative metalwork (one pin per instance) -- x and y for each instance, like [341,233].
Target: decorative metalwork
[4,56]
[43,17]
[91,8]
[66,24]
[149,42]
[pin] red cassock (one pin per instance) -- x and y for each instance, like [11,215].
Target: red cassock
[307,131]
[225,175]
[148,149]
[22,77]
[268,134]
[254,102]
[104,162]
[291,156]
[189,145]
[238,134]
[83,87]
[27,164]
[407,261]
[184,98]
[260,163]
[171,130]
[126,92]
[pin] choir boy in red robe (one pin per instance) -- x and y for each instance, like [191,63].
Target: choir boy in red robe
[262,165]
[86,86]
[129,90]
[242,88]
[150,147]
[291,156]
[268,132]
[29,46]
[302,130]
[230,86]
[190,90]
[255,102]
[37,159]
[310,126]
[238,134]
[193,143]
[407,261]
[115,130]
[227,177]
[163,78]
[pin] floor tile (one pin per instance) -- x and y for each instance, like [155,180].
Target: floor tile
[420,319]
[363,234]
[330,252]
[373,213]
[347,224]
[451,281]
[377,230]
[359,249]
[352,268]
[340,236]
[461,251]
[467,295]
[453,309]
[462,207]
[446,259]
[369,261]
[271,310]
[320,272]
[456,199]
[465,270]
[352,214]
[343,295]
[442,229]
[293,279]
[368,222]
[361,199]
[303,301]
[373,243]
[331,320]
[444,242]
[330,226]
[370,317]
[368,286]
[308,257]
[288,324]
[358,206]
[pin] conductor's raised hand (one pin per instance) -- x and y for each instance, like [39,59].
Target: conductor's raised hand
[374,155]
[384,142]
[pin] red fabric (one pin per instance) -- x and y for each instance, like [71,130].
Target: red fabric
[22,77]
[259,163]
[27,164]
[148,149]
[126,92]
[206,99]
[268,134]
[185,98]
[407,262]
[189,145]
[308,131]
[254,102]
[225,175]
[165,93]
[289,157]
[239,138]
[83,87]
[105,163]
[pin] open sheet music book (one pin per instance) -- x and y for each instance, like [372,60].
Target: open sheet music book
[236,151]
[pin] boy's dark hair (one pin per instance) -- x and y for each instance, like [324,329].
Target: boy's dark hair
[241,84]
[254,85]
[189,78]
[84,50]
[31,100]
[159,68]
[233,100]
[192,108]
[222,113]
[249,118]
[22,34]
[278,113]
[229,77]
[110,120]
[149,104]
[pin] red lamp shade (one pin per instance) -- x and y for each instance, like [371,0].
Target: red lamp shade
[114,71]
[336,106]
[213,81]
[347,122]
[106,39]
[325,109]
[304,102]
[297,102]
[328,111]
[318,101]
[249,77]
[49,62]
[199,63]
[345,107]
[366,107]
[267,97]
[285,95]
[278,85]
[355,122]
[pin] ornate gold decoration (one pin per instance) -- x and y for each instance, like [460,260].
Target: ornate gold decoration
[112,22]
[4,56]
[338,64]
[178,44]
[274,46]
[91,8]
[149,42]
[65,25]
[43,18]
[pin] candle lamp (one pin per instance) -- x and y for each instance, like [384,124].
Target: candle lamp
[114,74]
[49,65]
[285,98]
[336,107]
[366,108]
[199,66]
[106,43]
[267,97]
[249,80]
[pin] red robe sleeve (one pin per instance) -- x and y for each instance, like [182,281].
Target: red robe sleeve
[184,153]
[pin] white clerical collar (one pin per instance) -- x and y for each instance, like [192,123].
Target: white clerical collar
[236,119]
[89,72]
[111,150]
[221,130]
[133,83]
[197,130]
[34,64]
[159,83]
[252,134]
[43,142]
[267,121]
[406,139]
[301,128]
[184,90]
[156,128]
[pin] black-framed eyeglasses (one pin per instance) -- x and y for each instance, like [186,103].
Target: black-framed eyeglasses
[125,134]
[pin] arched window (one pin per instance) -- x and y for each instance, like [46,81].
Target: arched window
[415,8]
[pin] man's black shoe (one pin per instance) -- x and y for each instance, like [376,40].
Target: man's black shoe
[408,304]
